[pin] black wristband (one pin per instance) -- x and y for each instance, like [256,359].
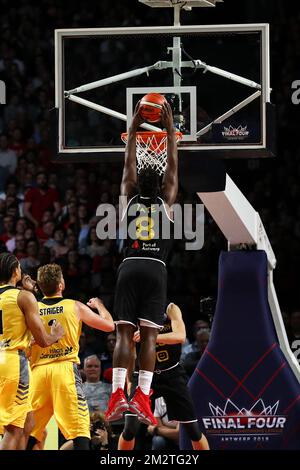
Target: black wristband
[155,431]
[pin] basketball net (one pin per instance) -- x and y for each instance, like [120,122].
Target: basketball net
[151,149]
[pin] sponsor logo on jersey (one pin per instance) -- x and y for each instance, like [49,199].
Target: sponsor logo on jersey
[135,245]
[5,343]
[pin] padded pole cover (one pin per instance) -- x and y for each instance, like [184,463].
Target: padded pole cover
[245,393]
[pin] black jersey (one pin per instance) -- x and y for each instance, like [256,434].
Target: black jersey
[167,355]
[148,228]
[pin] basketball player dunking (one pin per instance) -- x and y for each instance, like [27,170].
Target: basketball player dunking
[140,295]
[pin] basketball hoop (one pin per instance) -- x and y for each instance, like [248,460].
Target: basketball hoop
[151,149]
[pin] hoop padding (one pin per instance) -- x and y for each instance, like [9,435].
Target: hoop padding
[151,149]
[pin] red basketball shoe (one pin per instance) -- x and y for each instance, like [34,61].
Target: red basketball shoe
[141,405]
[116,406]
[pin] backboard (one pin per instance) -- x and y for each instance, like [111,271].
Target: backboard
[216,77]
[184,4]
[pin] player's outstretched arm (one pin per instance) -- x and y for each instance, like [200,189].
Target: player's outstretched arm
[29,306]
[101,321]
[178,333]
[129,179]
[170,178]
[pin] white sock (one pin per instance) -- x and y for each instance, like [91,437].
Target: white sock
[145,379]
[118,378]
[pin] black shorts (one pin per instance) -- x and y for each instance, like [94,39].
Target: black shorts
[141,292]
[172,386]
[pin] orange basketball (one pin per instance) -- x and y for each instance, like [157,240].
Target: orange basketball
[150,106]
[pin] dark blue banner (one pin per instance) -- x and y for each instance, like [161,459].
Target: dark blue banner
[245,393]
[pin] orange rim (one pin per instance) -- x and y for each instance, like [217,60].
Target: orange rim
[144,136]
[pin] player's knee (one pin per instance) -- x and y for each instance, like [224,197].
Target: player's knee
[148,336]
[124,333]
[192,430]
[131,427]
[128,435]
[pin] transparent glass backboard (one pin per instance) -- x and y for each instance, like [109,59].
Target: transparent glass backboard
[215,77]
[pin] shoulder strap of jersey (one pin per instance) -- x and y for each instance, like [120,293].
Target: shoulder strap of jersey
[51,300]
[128,204]
[4,289]
[165,208]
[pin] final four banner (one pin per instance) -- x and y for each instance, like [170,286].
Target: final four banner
[245,393]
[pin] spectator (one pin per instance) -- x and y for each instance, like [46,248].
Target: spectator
[12,207]
[192,359]
[97,393]
[94,246]
[72,269]
[44,255]
[19,250]
[71,242]
[39,199]
[59,249]
[45,233]
[69,214]
[187,347]
[17,144]
[8,229]
[31,262]
[21,226]
[11,189]
[165,433]
[29,233]
[101,434]
[8,161]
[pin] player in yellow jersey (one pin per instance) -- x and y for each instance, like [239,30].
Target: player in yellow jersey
[57,386]
[19,319]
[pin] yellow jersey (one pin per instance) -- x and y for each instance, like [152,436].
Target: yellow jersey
[14,333]
[66,349]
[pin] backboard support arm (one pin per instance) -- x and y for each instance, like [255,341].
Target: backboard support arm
[242,225]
